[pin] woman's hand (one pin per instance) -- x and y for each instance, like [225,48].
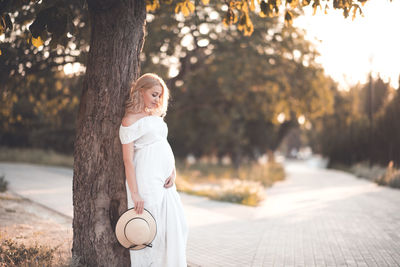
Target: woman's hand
[138,203]
[170,180]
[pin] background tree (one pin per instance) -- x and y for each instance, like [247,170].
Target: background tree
[40,111]
[357,139]
[235,86]
[39,102]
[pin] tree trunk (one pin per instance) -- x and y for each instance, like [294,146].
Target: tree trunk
[99,196]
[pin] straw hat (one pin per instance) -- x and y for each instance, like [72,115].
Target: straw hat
[136,231]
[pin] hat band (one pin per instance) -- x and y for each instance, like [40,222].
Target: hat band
[147,245]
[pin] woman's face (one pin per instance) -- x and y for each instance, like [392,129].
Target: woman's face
[152,97]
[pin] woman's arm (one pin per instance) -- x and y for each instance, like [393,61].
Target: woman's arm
[127,155]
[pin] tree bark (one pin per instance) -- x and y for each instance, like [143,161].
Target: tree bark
[99,196]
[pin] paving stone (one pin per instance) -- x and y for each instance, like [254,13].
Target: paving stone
[315,217]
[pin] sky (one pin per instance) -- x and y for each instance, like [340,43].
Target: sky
[351,49]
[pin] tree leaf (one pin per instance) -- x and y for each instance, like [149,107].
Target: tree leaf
[264,8]
[154,6]
[178,8]
[205,2]
[354,12]
[190,6]
[252,5]
[345,12]
[3,24]
[288,18]
[315,5]
[229,17]
[37,41]
[185,10]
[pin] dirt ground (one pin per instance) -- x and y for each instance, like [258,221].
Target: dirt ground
[27,222]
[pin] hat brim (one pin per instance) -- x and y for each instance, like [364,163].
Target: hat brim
[129,215]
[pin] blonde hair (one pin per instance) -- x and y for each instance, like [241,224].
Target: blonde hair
[135,103]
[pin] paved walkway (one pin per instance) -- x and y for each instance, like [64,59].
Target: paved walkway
[315,217]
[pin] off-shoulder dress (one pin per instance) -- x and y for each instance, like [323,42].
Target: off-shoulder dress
[154,162]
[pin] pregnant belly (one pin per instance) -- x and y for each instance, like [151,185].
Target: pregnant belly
[153,165]
[166,159]
[155,162]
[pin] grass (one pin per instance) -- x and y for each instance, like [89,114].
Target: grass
[362,169]
[235,191]
[245,185]
[36,156]
[28,237]
[14,254]
[389,176]
[207,172]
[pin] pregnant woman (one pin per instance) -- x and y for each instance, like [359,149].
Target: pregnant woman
[150,172]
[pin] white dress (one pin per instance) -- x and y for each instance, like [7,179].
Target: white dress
[154,162]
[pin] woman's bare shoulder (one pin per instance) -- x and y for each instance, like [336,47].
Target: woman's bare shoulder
[131,118]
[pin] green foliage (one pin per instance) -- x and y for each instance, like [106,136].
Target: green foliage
[14,254]
[240,11]
[386,133]
[3,184]
[34,102]
[229,90]
[363,126]
[41,113]
[39,102]
[55,19]
[21,58]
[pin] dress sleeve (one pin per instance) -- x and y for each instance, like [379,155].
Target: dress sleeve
[131,133]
